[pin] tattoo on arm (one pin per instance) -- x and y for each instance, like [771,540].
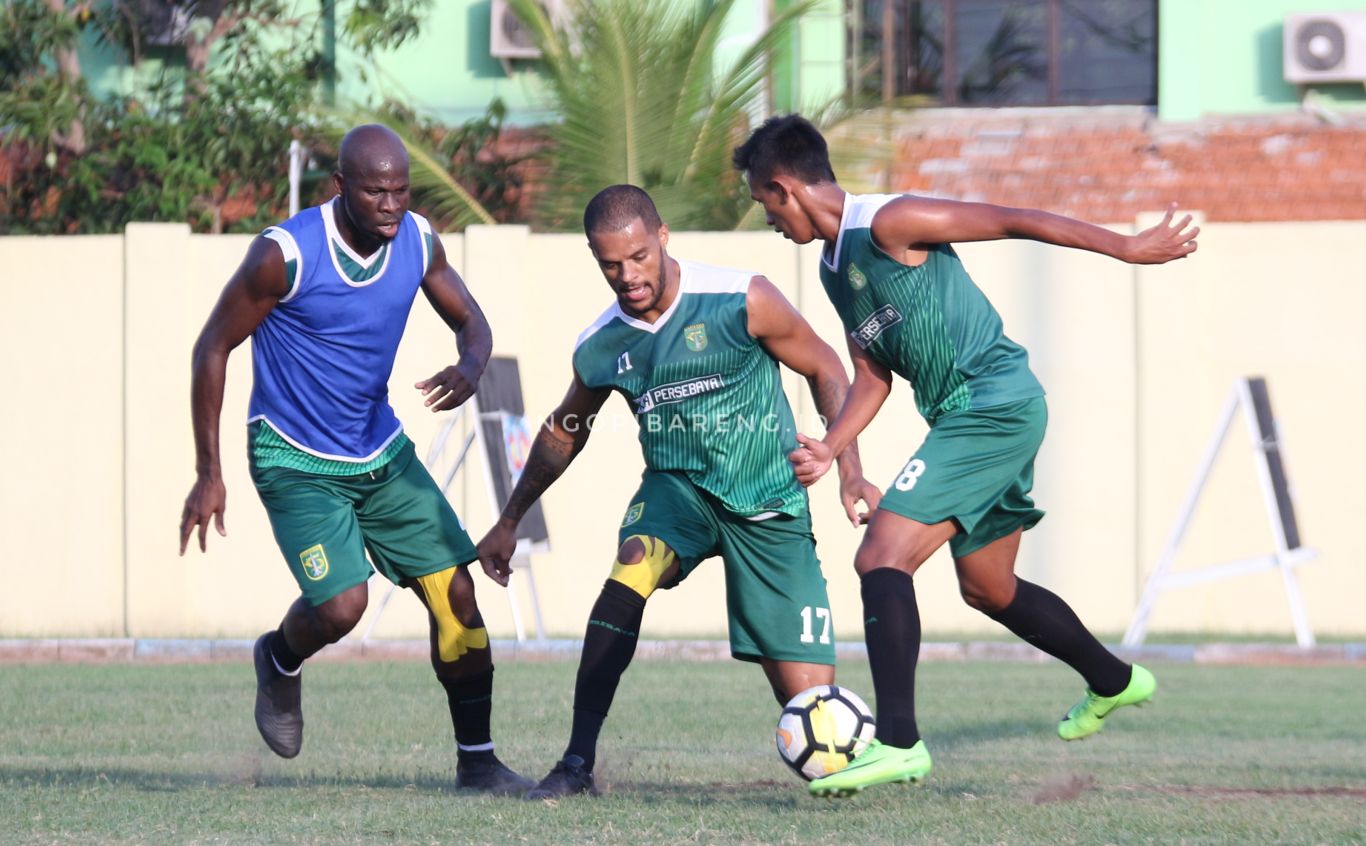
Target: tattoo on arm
[829,395]
[548,459]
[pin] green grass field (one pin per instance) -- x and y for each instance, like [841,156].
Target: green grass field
[168,754]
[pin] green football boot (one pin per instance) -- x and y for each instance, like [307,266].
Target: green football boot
[878,764]
[1088,716]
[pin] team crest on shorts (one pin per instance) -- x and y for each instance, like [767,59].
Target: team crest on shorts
[856,278]
[633,514]
[696,336]
[314,562]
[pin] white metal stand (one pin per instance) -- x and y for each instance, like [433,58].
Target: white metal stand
[1246,395]
[444,474]
[298,154]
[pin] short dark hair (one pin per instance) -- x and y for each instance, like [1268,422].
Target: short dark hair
[616,206]
[788,143]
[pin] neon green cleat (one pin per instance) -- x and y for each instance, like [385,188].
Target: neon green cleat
[1088,716]
[879,764]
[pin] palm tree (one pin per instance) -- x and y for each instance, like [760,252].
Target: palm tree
[640,99]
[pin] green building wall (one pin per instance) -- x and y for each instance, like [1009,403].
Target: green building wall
[448,73]
[1224,57]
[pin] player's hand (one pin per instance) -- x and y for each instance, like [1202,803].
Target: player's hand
[447,389]
[1163,242]
[495,551]
[856,489]
[208,499]
[810,460]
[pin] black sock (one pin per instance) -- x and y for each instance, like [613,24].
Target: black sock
[608,646]
[471,701]
[285,658]
[891,628]
[1042,619]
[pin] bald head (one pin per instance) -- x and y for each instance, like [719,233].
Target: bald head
[372,186]
[372,147]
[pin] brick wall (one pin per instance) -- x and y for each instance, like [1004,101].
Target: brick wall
[1106,166]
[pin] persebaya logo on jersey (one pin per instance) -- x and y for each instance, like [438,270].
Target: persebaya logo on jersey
[677,392]
[878,321]
[633,514]
[314,561]
[696,336]
[856,278]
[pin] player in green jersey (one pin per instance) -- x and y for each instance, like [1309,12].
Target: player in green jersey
[910,309]
[695,349]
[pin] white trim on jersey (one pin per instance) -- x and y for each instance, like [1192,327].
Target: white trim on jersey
[313,452]
[424,227]
[603,319]
[711,279]
[334,237]
[858,212]
[289,248]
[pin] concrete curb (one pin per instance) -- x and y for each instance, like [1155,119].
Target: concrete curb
[190,651]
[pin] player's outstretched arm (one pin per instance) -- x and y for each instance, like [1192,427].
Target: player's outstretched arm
[561,437]
[254,289]
[872,383]
[917,223]
[447,293]
[790,339]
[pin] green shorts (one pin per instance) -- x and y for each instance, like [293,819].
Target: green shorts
[975,467]
[775,593]
[325,525]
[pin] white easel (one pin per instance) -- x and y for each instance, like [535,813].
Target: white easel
[1251,396]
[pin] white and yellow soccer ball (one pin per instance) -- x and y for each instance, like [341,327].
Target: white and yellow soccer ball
[821,729]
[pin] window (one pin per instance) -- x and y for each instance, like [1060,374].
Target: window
[1005,52]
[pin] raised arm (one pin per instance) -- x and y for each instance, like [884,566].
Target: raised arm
[917,223]
[562,436]
[781,329]
[254,289]
[447,293]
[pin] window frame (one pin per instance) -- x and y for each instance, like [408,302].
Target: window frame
[893,57]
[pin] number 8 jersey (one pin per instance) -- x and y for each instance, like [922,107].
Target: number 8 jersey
[929,324]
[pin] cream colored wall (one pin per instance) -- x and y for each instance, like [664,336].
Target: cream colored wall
[1137,363]
[1284,302]
[61,498]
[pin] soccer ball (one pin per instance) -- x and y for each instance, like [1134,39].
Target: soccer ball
[821,729]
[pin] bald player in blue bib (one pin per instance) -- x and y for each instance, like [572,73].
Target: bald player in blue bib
[325,296]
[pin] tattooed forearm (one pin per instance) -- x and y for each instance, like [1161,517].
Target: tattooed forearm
[829,393]
[549,457]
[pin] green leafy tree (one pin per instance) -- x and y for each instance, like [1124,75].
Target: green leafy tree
[205,141]
[640,98]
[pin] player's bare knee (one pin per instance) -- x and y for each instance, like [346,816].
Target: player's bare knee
[336,617]
[987,598]
[632,551]
[643,564]
[873,554]
[462,598]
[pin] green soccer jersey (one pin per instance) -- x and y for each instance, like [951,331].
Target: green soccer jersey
[929,324]
[706,395]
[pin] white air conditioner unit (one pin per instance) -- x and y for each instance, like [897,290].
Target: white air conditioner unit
[509,38]
[1325,47]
